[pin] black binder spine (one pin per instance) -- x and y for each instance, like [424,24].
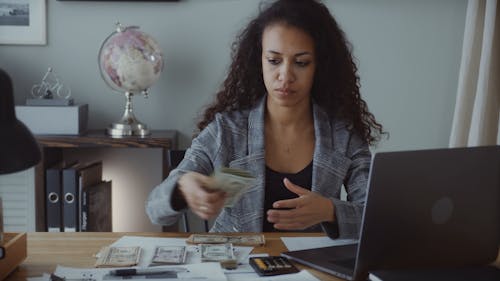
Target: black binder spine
[53,199]
[70,199]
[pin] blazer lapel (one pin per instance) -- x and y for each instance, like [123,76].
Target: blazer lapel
[252,203]
[323,146]
[329,165]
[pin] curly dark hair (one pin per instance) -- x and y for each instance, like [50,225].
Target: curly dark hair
[336,83]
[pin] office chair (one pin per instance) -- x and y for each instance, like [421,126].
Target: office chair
[174,158]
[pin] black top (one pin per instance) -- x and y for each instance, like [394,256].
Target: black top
[276,190]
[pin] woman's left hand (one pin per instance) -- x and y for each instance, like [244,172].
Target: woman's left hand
[308,209]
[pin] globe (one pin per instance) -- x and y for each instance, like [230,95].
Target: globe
[130,61]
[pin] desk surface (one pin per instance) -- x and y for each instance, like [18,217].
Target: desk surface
[46,250]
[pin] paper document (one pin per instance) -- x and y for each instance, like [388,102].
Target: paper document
[304,243]
[193,254]
[210,271]
[303,275]
[44,277]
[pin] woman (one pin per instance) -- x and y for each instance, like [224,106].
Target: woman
[290,113]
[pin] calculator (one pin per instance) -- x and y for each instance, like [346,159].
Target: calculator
[274,265]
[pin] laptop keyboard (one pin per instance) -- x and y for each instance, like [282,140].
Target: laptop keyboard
[348,263]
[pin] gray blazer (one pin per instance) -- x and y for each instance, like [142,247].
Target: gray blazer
[235,139]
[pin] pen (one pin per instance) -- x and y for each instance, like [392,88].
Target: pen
[138,271]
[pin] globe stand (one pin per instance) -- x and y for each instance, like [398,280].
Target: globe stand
[128,124]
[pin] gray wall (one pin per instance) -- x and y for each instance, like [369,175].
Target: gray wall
[408,53]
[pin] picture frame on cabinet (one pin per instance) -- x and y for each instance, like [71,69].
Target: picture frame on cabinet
[23,22]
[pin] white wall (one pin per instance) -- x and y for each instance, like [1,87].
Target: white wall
[409,57]
[408,53]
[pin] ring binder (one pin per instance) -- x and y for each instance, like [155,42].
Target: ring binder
[75,179]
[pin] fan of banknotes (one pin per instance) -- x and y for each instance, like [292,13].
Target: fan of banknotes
[234,182]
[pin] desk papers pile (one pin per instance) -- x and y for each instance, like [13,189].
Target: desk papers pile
[209,271]
[193,269]
[193,252]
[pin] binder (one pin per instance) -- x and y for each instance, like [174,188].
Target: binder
[71,178]
[99,207]
[53,196]
[88,176]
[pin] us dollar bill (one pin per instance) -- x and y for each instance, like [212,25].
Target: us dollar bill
[169,255]
[238,240]
[234,182]
[216,252]
[118,256]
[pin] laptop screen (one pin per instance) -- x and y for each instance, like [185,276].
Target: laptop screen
[431,208]
[426,208]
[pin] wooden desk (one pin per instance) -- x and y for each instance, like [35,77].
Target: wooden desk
[46,250]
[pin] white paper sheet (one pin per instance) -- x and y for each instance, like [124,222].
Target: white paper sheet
[148,245]
[208,271]
[44,277]
[193,262]
[242,275]
[303,243]
[303,275]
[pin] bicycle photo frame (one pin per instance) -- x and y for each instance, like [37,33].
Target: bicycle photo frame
[23,22]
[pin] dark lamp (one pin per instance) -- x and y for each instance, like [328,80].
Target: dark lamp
[18,148]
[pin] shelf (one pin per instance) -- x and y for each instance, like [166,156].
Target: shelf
[52,147]
[97,138]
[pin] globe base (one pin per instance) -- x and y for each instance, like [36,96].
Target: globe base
[122,130]
[128,124]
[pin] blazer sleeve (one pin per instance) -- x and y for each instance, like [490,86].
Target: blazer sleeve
[198,158]
[349,213]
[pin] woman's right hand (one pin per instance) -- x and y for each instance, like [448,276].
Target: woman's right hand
[203,201]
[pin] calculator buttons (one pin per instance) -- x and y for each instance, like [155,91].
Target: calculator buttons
[274,265]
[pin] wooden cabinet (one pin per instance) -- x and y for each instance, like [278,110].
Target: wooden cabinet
[52,147]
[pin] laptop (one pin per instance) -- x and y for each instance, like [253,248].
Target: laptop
[425,208]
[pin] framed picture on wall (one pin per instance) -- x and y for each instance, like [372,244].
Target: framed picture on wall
[126,0]
[23,22]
